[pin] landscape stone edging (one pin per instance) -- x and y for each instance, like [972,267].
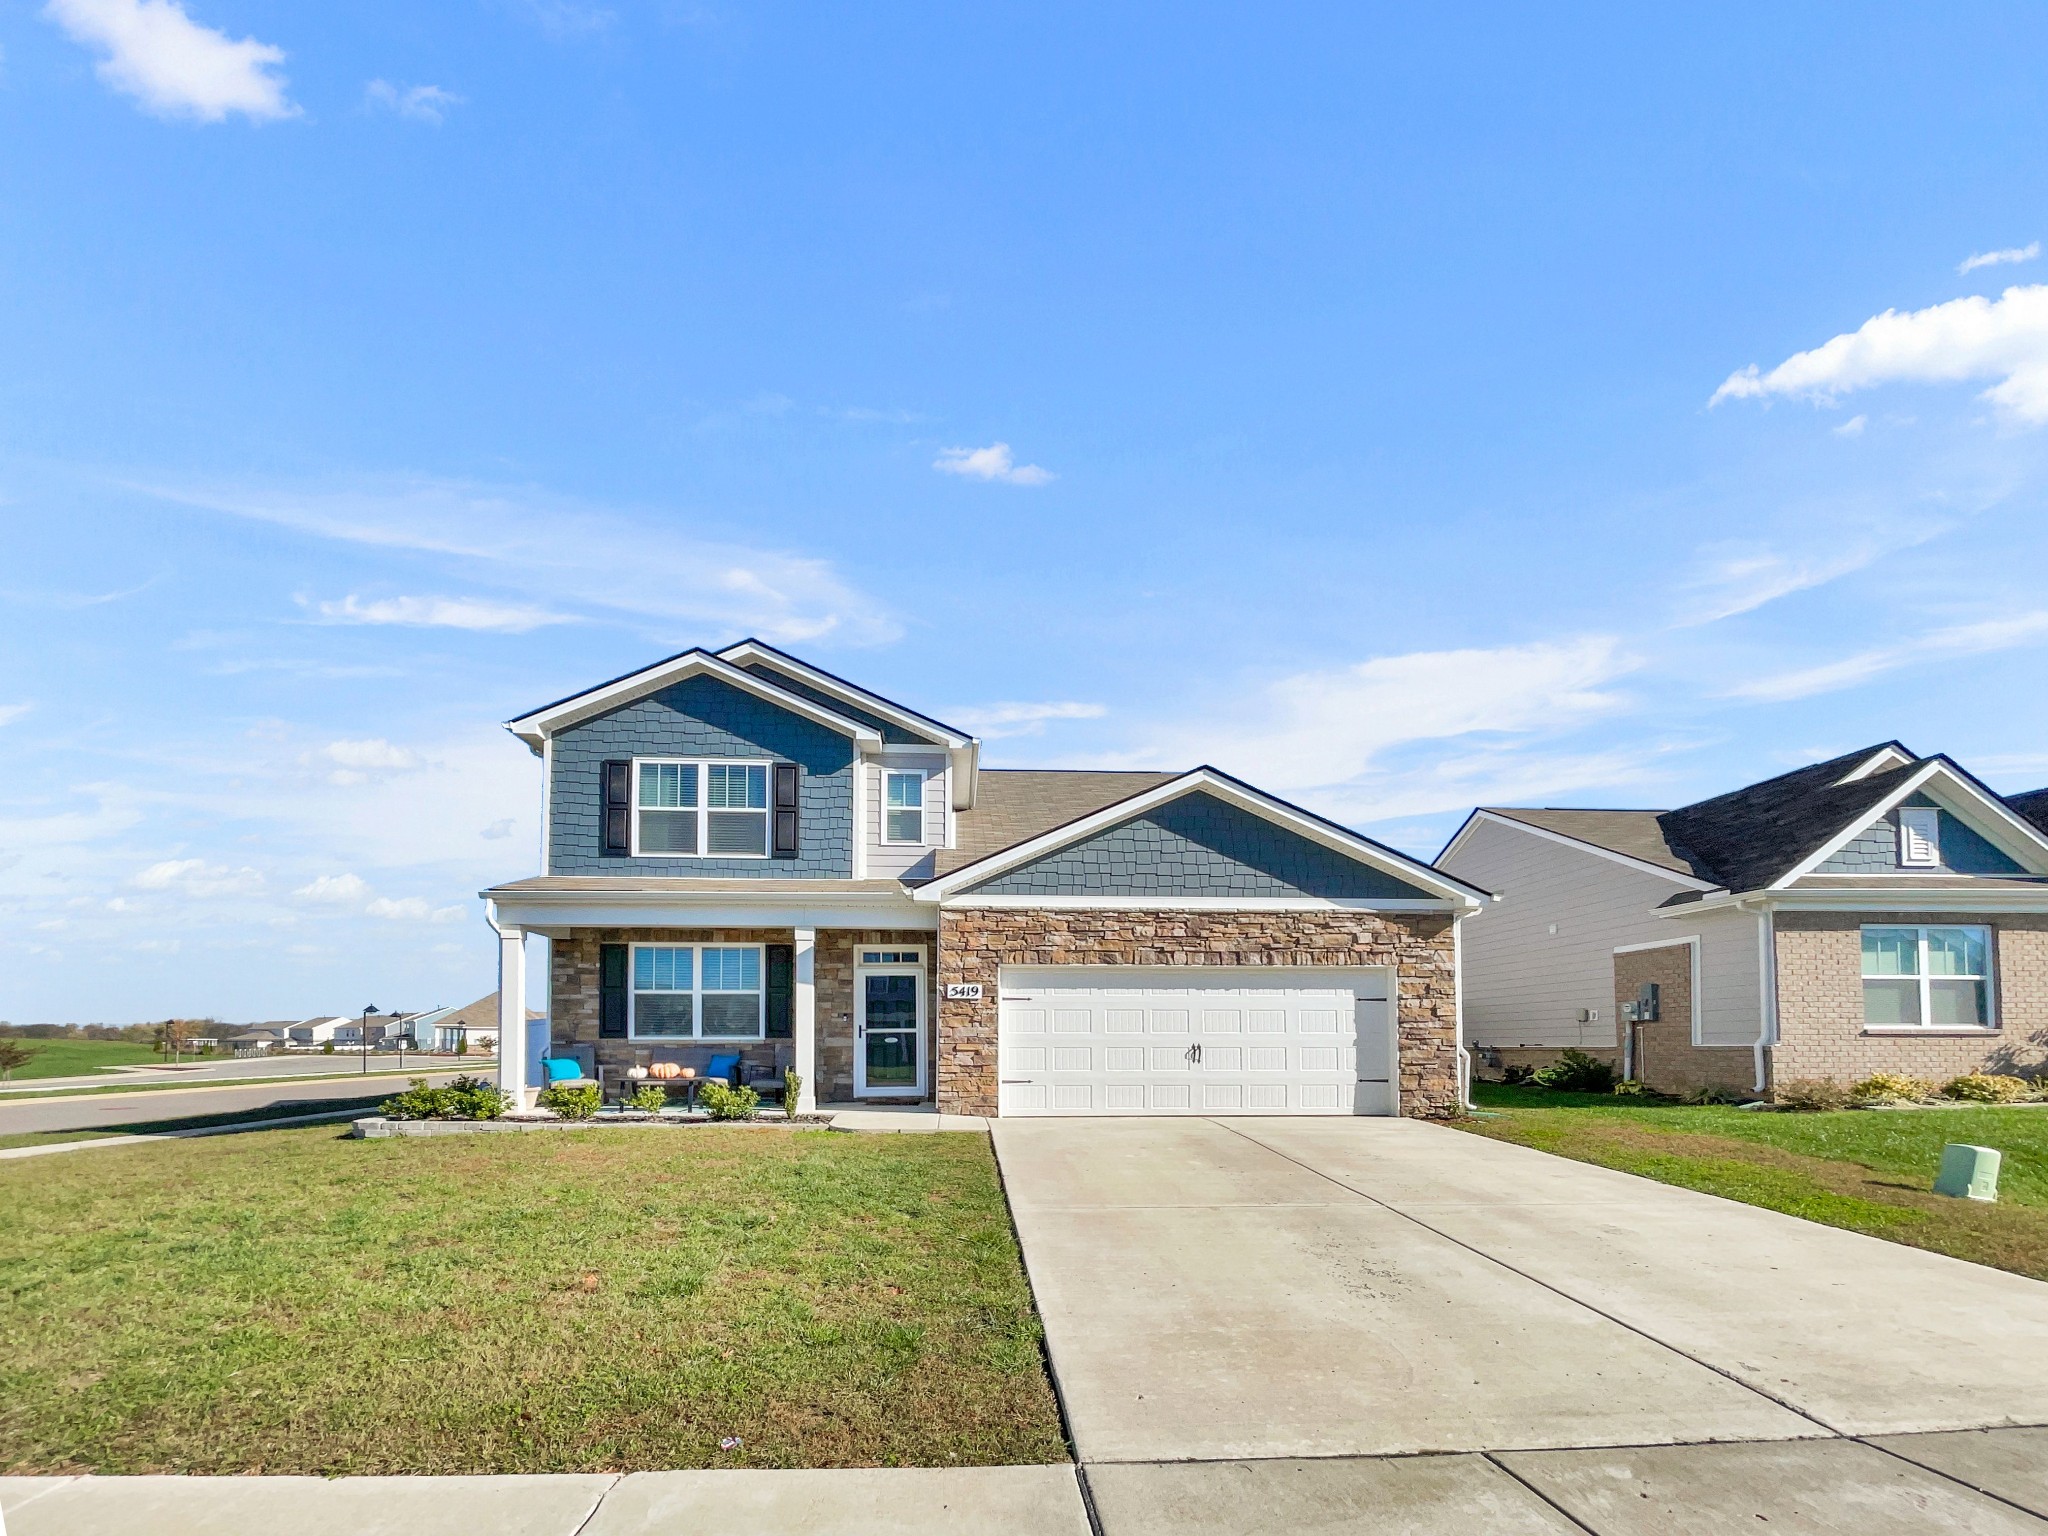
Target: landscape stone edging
[379,1127]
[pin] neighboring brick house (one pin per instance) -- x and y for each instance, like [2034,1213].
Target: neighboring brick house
[745,854]
[1879,912]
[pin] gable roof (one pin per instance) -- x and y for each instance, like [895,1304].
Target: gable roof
[2033,805]
[536,725]
[1236,792]
[1016,804]
[750,652]
[1776,830]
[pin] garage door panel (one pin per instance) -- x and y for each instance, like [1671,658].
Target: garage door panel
[1275,1041]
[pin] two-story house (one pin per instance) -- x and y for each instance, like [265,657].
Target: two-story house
[1879,912]
[741,849]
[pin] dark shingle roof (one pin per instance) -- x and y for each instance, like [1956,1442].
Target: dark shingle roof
[1012,805]
[1635,833]
[2033,804]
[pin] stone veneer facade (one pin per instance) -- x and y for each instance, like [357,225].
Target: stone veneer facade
[975,942]
[1820,1002]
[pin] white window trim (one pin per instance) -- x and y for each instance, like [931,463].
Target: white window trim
[697,995]
[924,814]
[703,808]
[1926,1026]
[1924,822]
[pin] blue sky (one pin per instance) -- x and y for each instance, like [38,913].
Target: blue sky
[1349,396]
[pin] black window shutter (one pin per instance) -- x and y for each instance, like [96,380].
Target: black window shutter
[611,991]
[781,991]
[617,778]
[787,840]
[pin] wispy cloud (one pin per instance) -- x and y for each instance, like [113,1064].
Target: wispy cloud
[474,613]
[1853,427]
[421,103]
[1958,640]
[497,830]
[2010,256]
[336,890]
[171,64]
[564,19]
[648,568]
[196,877]
[9,713]
[992,722]
[990,463]
[412,909]
[372,755]
[1964,339]
[1737,579]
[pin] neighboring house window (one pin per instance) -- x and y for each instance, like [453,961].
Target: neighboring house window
[1919,837]
[689,992]
[903,808]
[711,810]
[1932,977]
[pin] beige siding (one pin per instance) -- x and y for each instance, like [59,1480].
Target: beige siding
[1525,986]
[888,860]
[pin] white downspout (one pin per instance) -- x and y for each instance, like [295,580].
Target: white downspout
[1458,1011]
[1767,988]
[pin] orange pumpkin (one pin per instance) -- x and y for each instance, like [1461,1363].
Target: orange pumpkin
[664,1070]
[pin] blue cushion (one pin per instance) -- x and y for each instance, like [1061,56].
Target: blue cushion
[560,1071]
[726,1067]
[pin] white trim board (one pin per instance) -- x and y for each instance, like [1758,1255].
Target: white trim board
[1643,866]
[1233,792]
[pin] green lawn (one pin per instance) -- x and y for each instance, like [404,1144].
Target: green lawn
[76,1058]
[1867,1170]
[289,1301]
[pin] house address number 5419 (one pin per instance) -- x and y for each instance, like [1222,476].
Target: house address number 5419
[963,991]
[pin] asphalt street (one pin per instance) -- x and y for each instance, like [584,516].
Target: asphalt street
[98,1111]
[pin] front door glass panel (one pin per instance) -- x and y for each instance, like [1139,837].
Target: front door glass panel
[890,1037]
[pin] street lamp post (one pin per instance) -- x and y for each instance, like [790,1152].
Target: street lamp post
[365,1028]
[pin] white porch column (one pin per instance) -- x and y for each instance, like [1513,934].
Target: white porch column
[512,1016]
[805,1008]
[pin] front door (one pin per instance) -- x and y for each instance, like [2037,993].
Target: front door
[888,1034]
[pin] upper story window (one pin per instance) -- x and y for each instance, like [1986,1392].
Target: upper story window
[903,807]
[1938,978]
[700,809]
[696,992]
[1919,837]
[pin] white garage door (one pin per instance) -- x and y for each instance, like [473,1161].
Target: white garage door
[1089,1040]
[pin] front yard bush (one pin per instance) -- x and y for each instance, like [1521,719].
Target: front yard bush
[1810,1094]
[467,1098]
[1576,1072]
[578,1102]
[1716,1093]
[1891,1088]
[724,1102]
[1635,1088]
[649,1099]
[1986,1088]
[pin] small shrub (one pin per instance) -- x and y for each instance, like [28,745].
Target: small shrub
[462,1046]
[1985,1088]
[327,1049]
[792,1090]
[1635,1088]
[1809,1094]
[722,1101]
[649,1099]
[1715,1093]
[1891,1088]
[1516,1076]
[467,1098]
[1576,1072]
[578,1102]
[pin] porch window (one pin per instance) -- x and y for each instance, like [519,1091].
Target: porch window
[903,808]
[693,991]
[1936,978]
[701,809]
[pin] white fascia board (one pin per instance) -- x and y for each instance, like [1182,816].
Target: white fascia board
[535,728]
[551,913]
[2020,839]
[839,688]
[1201,904]
[1460,894]
[1642,866]
[1906,899]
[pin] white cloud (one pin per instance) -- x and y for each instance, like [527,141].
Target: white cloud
[374,753]
[644,567]
[173,65]
[1971,338]
[9,713]
[421,103]
[992,722]
[990,463]
[441,613]
[196,877]
[1959,640]
[497,830]
[2011,256]
[336,890]
[1853,427]
[412,909]
[1738,578]
[1328,731]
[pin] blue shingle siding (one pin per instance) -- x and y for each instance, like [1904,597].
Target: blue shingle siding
[891,732]
[1198,845]
[703,717]
[1875,850]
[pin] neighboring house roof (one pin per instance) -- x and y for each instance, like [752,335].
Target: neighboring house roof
[1763,833]
[481,1014]
[1017,804]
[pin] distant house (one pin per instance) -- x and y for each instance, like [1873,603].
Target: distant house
[446,1029]
[256,1039]
[308,1033]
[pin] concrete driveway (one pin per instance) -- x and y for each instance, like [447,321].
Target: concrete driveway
[1236,1289]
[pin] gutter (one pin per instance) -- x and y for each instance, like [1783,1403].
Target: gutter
[1767,984]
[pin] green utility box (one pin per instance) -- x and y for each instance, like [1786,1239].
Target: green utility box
[1968,1173]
